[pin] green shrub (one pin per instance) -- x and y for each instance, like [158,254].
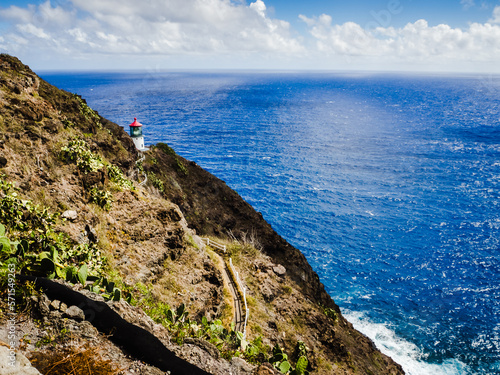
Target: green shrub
[331,313]
[23,215]
[68,124]
[34,246]
[181,167]
[116,175]
[157,182]
[88,112]
[166,149]
[78,152]
[102,198]
[88,254]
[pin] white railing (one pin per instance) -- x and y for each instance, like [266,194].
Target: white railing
[239,284]
[214,244]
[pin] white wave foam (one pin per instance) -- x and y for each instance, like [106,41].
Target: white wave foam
[407,354]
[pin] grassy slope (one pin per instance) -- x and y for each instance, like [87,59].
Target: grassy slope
[145,237]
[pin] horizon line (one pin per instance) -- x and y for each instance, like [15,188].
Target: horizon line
[264,71]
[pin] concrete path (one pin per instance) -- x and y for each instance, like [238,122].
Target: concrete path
[239,315]
[239,312]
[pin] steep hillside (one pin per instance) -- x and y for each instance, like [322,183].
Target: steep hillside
[71,195]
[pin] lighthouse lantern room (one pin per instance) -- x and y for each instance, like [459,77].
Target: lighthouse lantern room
[136,134]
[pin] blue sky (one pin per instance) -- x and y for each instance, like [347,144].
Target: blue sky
[451,12]
[423,35]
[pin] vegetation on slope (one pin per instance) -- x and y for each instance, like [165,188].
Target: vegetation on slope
[134,243]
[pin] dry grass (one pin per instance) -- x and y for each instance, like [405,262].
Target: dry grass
[84,360]
[227,313]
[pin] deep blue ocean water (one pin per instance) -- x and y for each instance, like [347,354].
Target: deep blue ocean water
[389,184]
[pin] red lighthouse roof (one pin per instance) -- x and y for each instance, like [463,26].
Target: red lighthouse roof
[135,123]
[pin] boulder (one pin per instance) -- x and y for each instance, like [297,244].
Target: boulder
[279,270]
[75,312]
[21,365]
[70,215]
[55,304]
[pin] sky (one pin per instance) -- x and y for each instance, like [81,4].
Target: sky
[154,35]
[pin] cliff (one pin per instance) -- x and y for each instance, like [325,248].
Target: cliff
[113,269]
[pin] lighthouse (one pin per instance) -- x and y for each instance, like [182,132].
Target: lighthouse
[136,134]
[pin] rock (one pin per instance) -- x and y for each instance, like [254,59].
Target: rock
[132,314]
[267,292]
[52,126]
[262,265]
[205,345]
[70,215]
[241,366]
[75,312]
[272,325]
[18,89]
[143,369]
[3,161]
[21,365]
[55,304]
[124,260]
[92,179]
[265,369]
[203,360]
[279,270]
[32,134]
[91,234]
[171,214]
[87,329]
[54,315]
[43,305]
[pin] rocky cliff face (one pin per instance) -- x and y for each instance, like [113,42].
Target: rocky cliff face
[148,237]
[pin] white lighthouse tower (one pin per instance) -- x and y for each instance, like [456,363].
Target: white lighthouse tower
[136,134]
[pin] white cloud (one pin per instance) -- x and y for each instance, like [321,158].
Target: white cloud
[259,7]
[468,3]
[79,35]
[415,42]
[348,39]
[496,15]
[225,32]
[155,27]
[19,14]
[30,29]
[44,15]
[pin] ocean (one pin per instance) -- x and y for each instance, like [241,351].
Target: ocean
[388,183]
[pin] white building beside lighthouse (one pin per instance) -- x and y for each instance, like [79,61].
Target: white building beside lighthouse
[136,135]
